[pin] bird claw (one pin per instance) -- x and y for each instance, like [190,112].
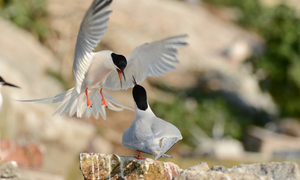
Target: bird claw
[139,158]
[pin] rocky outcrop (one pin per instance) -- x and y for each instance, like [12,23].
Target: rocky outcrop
[112,166]
[262,171]
[102,166]
[9,171]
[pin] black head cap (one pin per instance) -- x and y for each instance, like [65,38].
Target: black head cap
[119,60]
[140,97]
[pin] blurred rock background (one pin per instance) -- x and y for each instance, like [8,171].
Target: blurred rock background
[234,96]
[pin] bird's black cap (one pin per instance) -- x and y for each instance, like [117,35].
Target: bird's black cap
[119,60]
[140,97]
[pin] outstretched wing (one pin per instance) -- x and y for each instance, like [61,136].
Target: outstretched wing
[92,28]
[150,59]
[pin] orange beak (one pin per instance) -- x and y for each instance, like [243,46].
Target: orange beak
[120,76]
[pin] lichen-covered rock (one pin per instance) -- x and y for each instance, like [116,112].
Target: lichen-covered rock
[101,166]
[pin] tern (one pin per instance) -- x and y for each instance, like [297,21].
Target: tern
[148,133]
[3,83]
[94,71]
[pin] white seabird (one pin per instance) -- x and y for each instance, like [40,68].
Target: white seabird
[3,83]
[94,71]
[148,133]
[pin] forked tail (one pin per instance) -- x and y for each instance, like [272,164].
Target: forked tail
[73,102]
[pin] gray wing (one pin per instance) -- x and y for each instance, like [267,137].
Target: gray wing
[92,28]
[166,145]
[150,59]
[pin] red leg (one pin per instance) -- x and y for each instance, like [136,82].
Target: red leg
[88,102]
[155,157]
[103,99]
[139,156]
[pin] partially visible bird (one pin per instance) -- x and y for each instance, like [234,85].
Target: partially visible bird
[148,133]
[3,83]
[104,69]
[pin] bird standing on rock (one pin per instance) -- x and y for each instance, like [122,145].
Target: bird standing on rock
[94,71]
[3,83]
[148,133]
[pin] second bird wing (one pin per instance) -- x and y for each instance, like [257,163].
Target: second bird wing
[150,59]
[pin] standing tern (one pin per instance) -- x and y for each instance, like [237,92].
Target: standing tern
[3,83]
[104,69]
[148,133]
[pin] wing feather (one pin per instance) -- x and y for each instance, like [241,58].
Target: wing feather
[92,28]
[150,59]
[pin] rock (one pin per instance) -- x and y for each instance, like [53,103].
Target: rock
[289,126]
[9,170]
[216,175]
[223,148]
[271,144]
[30,156]
[112,166]
[263,171]
[203,166]
[274,170]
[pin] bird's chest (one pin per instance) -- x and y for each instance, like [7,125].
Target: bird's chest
[97,74]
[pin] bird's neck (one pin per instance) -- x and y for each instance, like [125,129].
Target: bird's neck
[141,114]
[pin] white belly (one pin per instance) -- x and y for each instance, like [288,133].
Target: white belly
[99,70]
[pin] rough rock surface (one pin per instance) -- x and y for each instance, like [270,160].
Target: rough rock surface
[112,166]
[102,166]
[263,171]
[274,170]
[9,171]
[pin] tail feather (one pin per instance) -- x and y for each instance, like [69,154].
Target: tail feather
[76,103]
[166,145]
[112,107]
[68,102]
[73,108]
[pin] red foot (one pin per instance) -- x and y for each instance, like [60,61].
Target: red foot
[139,157]
[156,160]
[103,99]
[88,102]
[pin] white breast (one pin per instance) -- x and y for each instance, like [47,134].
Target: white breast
[101,66]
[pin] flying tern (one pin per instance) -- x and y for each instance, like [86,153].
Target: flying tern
[94,71]
[3,83]
[148,133]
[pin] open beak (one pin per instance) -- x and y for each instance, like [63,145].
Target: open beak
[8,84]
[121,72]
[134,82]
